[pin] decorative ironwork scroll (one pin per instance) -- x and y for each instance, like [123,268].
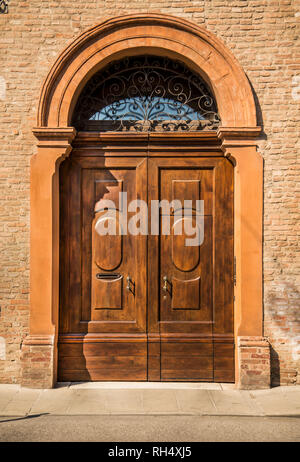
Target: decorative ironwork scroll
[4,6]
[146,93]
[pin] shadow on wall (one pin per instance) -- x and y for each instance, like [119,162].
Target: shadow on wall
[259,116]
[275,368]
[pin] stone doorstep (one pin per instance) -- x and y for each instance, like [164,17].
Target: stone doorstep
[146,385]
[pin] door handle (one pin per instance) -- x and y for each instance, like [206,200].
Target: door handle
[130,285]
[165,286]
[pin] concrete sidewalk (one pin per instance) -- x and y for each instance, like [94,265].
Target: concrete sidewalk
[111,398]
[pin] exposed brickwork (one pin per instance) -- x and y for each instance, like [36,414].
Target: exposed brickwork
[263,37]
[37,363]
[254,363]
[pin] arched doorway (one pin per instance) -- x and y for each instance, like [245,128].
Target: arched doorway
[144,300]
[206,56]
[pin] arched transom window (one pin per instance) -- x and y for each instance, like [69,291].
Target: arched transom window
[146,93]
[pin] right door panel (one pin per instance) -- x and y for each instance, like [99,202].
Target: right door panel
[190,318]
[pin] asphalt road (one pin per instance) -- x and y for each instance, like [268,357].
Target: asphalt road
[45,428]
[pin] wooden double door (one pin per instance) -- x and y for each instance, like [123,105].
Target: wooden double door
[141,304]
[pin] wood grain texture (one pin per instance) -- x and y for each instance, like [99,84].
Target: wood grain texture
[223,362]
[146,333]
[187,361]
[113,359]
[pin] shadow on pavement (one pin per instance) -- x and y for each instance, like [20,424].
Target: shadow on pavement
[26,417]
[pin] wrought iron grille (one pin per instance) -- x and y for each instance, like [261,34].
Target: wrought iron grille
[4,6]
[146,93]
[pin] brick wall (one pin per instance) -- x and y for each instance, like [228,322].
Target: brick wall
[263,37]
[253,363]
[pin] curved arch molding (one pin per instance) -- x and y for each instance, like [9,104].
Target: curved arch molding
[153,33]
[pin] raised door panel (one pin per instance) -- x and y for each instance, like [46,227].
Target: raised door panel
[186,303]
[186,294]
[107,293]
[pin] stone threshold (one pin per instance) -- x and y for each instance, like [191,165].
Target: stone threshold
[146,385]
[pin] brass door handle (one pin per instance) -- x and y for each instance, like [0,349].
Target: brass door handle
[130,285]
[165,286]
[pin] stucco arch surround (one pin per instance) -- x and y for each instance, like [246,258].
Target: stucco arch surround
[206,54]
[152,33]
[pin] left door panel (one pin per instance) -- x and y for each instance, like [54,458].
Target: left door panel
[103,296]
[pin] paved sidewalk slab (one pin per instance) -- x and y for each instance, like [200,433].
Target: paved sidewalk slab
[280,401]
[160,402]
[145,399]
[195,402]
[124,401]
[21,402]
[87,402]
[233,402]
[7,392]
[56,401]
